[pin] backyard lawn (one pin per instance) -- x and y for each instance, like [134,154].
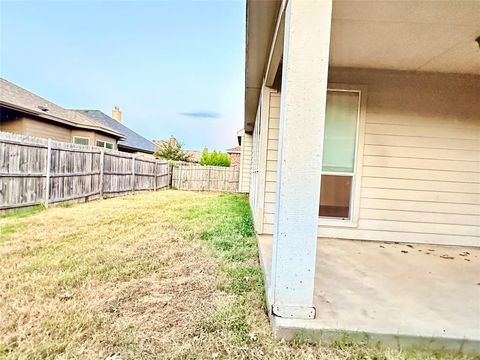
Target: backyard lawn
[165,275]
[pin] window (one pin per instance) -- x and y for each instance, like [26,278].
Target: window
[81,140]
[104,144]
[339,152]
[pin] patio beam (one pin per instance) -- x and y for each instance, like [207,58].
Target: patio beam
[277,47]
[302,117]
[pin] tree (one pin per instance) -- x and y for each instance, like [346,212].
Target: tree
[172,151]
[215,158]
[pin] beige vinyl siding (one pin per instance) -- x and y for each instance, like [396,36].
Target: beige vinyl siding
[255,164]
[47,130]
[421,158]
[142,154]
[246,163]
[12,125]
[271,165]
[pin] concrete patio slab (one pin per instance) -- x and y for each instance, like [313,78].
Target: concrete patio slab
[400,294]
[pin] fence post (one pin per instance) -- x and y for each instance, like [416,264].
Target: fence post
[102,165]
[47,175]
[155,176]
[133,174]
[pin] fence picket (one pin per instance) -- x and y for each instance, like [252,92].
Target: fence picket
[133,174]
[100,180]
[47,172]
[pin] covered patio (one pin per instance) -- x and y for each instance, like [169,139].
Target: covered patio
[401,294]
[364,122]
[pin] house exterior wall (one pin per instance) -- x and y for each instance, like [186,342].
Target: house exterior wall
[12,125]
[45,129]
[271,160]
[420,167]
[246,163]
[235,160]
[145,155]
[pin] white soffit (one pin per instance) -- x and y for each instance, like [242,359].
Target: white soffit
[436,36]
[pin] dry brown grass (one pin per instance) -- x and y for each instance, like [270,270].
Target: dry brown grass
[163,275]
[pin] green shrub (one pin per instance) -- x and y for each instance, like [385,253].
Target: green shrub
[173,152]
[215,158]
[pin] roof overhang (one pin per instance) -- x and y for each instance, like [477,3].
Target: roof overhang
[261,21]
[46,116]
[134,149]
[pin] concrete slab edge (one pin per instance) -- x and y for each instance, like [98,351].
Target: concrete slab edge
[289,329]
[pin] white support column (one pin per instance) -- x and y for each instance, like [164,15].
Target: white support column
[302,118]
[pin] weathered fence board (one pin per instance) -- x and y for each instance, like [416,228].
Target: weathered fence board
[205,178]
[35,171]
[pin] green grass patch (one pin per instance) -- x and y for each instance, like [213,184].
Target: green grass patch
[21,213]
[244,279]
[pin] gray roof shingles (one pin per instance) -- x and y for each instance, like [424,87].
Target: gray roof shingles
[132,139]
[12,95]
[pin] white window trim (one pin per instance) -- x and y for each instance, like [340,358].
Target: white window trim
[104,144]
[80,137]
[352,221]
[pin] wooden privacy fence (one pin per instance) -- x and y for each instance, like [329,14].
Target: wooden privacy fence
[208,178]
[35,171]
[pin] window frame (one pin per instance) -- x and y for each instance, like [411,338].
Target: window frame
[81,137]
[104,144]
[354,206]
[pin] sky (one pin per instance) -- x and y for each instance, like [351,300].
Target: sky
[173,67]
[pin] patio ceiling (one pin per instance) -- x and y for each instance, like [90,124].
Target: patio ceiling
[430,36]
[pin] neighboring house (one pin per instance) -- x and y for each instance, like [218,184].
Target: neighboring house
[234,154]
[132,142]
[362,122]
[194,155]
[25,113]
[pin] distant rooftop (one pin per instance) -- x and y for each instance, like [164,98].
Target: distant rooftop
[132,140]
[235,149]
[15,97]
